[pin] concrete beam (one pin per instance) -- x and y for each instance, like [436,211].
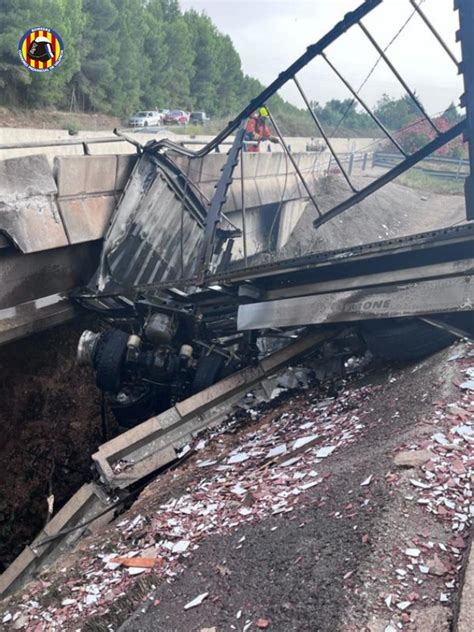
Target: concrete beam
[86,503]
[25,278]
[30,318]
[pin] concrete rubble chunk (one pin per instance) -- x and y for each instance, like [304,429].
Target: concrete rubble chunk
[412,458]
[377,625]
[436,566]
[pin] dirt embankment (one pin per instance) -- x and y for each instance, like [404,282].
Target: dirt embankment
[50,422]
[394,211]
[55,119]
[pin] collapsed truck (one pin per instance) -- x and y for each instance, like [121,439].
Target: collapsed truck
[191,298]
[198,292]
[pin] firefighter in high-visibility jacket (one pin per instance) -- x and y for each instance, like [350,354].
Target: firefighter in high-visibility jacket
[257,130]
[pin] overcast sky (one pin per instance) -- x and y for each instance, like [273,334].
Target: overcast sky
[270,34]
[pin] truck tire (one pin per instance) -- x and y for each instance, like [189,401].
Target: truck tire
[208,371]
[109,359]
[406,339]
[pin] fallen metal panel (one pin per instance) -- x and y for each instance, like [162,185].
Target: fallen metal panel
[154,443]
[412,299]
[85,503]
[401,248]
[29,216]
[153,236]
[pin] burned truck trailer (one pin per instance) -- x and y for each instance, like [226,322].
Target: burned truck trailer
[190,293]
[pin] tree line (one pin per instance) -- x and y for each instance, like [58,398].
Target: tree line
[121,55]
[124,55]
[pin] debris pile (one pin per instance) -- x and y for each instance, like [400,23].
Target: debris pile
[266,473]
[271,473]
[444,488]
[434,473]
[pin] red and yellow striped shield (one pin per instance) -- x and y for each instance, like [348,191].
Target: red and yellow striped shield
[41,49]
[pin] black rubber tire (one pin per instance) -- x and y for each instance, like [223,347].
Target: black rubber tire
[407,339]
[109,360]
[208,372]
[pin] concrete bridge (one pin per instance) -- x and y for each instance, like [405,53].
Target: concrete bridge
[53,218]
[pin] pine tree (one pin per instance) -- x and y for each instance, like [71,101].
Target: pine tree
[15,20]
[155,58]
[93,83]
[126,89]
[67,19]
[205,43]
[179,67]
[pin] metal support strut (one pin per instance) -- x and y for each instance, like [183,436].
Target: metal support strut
[401,80]
[293,162]
[324,135]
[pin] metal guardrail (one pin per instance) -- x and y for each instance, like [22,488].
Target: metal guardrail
[64,141]
[459,167]
[85,142]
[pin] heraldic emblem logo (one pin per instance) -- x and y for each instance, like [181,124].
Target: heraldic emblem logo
[41,49]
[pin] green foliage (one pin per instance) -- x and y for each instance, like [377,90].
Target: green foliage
[452,114]
[72,126]
[397,113]
[124,55]
[16,17]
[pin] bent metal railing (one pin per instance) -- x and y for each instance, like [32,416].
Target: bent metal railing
[211,244]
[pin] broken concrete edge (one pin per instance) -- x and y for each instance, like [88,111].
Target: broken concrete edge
[29,319]
[464,615]
[155,442]
[87,502]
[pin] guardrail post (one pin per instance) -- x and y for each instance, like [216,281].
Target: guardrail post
[351,163]
[458,172]
[364,162]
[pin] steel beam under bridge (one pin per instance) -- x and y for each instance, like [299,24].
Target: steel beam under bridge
[434,296]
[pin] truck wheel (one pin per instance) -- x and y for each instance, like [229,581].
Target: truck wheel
[109,359]
[406,339]
[208,371]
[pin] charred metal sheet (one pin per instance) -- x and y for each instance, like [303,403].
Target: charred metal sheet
[154,236]
[411,299]
[29,216]
[86,503]
[154,443]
